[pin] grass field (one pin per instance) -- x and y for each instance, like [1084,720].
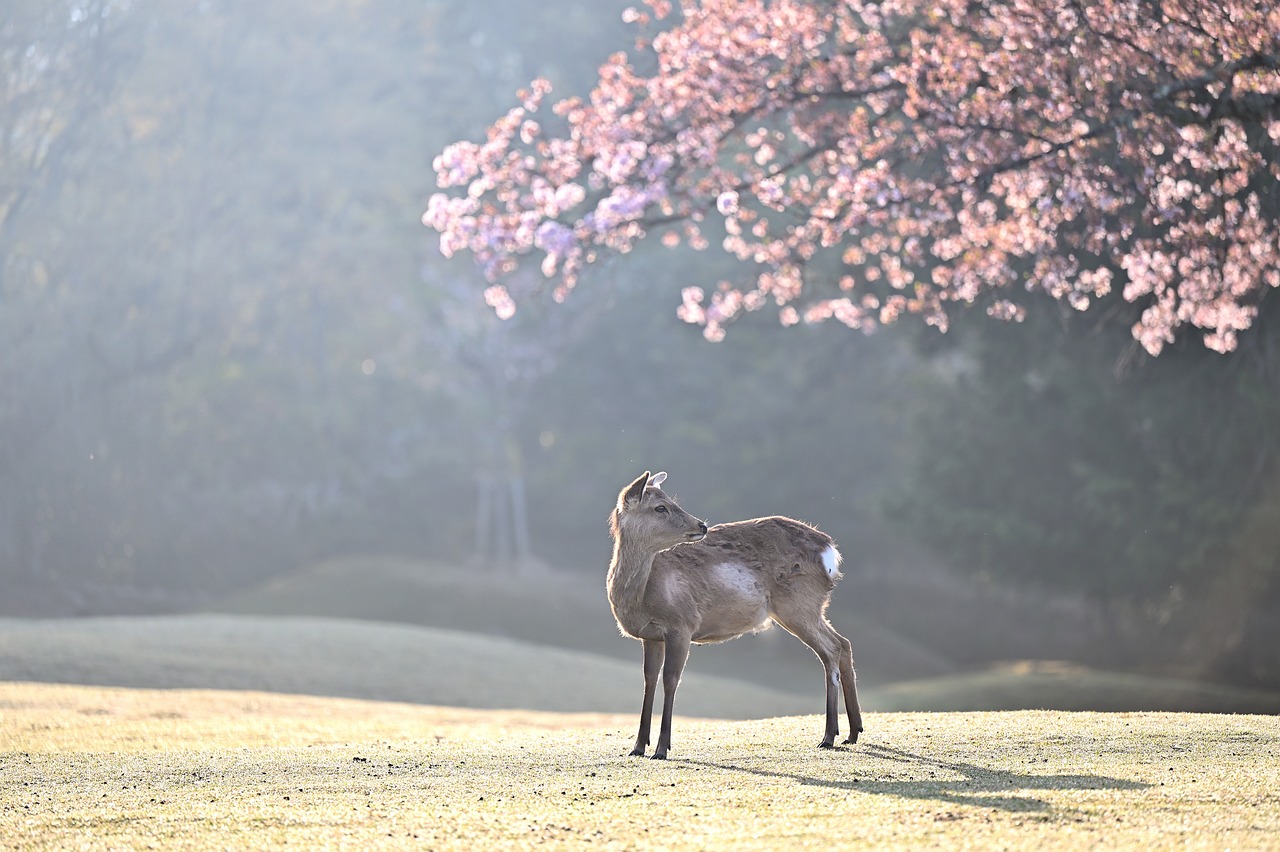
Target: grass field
[106,768]
[218,731]
[252,730]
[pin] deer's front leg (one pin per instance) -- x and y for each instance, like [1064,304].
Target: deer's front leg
[677,653]
[653,652]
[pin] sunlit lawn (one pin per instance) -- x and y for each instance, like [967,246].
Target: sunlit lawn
[97,768]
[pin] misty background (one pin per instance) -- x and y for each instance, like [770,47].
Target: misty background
[239,377]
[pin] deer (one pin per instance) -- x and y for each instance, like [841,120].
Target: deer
[674,582]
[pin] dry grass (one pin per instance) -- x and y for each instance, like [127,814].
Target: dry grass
[99,768]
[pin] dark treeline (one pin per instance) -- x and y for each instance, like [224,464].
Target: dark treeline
[232,349]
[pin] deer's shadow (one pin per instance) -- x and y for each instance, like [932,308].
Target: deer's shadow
[960,783]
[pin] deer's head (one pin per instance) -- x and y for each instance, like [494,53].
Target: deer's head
[651,519]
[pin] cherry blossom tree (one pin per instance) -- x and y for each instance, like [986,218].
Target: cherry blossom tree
[866,160]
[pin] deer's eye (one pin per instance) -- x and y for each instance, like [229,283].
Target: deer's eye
[662,510]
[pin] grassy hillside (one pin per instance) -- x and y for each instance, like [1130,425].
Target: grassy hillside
[356,659]
[359,659]
[94,768]
[1030,685]
[896,673]
[565,611]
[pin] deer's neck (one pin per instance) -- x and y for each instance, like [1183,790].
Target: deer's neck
[628,579]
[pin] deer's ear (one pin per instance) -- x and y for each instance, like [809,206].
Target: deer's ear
[633,492]
[658,478]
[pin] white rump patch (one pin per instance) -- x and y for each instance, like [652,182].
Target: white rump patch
[831,561]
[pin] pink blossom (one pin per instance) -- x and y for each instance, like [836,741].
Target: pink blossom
[727,203]
[497,297]
[910,156]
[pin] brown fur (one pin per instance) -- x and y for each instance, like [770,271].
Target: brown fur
[673,582]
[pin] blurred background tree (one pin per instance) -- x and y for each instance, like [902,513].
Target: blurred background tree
[1053,453]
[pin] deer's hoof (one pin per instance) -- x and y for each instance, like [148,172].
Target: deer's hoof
[853,738]
[659,755]
[826,744]
[638,751]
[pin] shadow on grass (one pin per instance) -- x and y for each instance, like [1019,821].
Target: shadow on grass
[958,783]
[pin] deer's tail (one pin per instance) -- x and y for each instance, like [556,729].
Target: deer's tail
[831,560]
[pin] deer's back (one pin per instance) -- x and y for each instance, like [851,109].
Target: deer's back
[773,548]
[730,582]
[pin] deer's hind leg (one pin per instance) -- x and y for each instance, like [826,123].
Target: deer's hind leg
[810,626]
[849,680]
